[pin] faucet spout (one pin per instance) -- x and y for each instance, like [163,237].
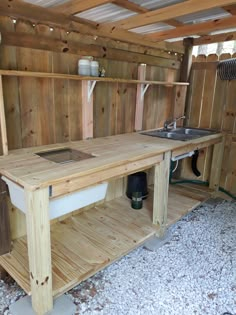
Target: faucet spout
[172,123]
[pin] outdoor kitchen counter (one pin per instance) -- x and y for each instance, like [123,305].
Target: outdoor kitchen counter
[49,261]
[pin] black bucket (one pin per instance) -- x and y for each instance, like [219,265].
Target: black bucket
[137,182]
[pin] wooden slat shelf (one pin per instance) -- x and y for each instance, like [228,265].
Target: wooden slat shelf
[89,241]
[85,78]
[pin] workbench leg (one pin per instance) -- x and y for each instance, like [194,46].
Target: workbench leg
[39,249]
[217,158]
[161,188]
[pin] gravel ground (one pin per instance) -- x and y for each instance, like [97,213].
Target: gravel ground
[194,273]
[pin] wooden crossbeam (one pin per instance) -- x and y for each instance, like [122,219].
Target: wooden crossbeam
[77,6]
[170,12]
[218,38]
[193,29]
[20,9]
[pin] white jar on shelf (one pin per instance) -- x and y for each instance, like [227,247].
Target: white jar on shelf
[84,66]
[94,68]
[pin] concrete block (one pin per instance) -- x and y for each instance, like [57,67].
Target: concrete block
[62,306]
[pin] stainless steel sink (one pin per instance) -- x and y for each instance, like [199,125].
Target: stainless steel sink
[182,134]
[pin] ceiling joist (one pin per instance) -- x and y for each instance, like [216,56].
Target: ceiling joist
[170,12]
[218,38]
[193,29]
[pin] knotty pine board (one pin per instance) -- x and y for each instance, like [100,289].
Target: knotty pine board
[86,243]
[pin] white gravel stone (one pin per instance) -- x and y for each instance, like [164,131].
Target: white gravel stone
[193,273]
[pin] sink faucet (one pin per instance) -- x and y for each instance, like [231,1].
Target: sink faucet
[169,124]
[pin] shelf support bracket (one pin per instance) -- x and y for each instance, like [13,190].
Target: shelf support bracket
[141,90]
[144,88]
[91,86]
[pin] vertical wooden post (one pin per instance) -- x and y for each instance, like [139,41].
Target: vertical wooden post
[87,110]
[217,158]
[39,249]
[3,121]
[161,189]
[140,98]
[187,60]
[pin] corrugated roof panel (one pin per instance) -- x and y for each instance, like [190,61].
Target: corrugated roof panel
[156,4]
[228,30]
[46,3]
[152,28]
[177,39]
[203,16]
[106,13]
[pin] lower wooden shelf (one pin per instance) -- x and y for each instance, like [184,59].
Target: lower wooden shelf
[88,242]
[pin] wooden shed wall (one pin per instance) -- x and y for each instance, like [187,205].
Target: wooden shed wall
[211,103]
[44,111]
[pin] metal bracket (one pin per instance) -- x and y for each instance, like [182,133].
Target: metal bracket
[144,88]
[91,86]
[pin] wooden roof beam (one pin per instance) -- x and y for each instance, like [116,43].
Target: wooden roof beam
[170,12]
[37,14]
[76,6]
[193,29]
[218,38]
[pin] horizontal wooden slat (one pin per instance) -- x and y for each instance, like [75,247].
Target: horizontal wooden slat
[79,48]
[87,242]
[77,77]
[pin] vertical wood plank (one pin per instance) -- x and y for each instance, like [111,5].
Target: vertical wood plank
[3,121]
[87,111]
[139,99]
[5,237]
[8,60]
[39,249]
[217,159]
[161,187]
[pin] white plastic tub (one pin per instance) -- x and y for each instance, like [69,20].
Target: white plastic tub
[61,205]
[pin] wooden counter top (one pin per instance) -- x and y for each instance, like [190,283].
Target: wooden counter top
[31,171]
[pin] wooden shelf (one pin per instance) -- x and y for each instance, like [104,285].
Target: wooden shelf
[88,242]
[85,78]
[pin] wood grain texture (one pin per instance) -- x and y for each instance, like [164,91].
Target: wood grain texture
[39,250]
[217,112]
[88,242]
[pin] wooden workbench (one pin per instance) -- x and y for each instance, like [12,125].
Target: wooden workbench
[48,264]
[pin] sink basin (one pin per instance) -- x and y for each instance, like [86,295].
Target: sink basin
[182,134]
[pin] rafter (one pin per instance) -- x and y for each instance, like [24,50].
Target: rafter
[193,29]
[20,9]
[170,12]
[130,6]
[218,38]
[77,6]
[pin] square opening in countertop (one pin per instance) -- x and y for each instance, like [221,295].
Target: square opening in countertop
[65,155]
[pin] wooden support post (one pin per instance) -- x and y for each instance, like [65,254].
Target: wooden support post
[3,121]
[216,165]
[187,60]
[5,235]
[87,108]
[39,249]
[140,98]
[161,188]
